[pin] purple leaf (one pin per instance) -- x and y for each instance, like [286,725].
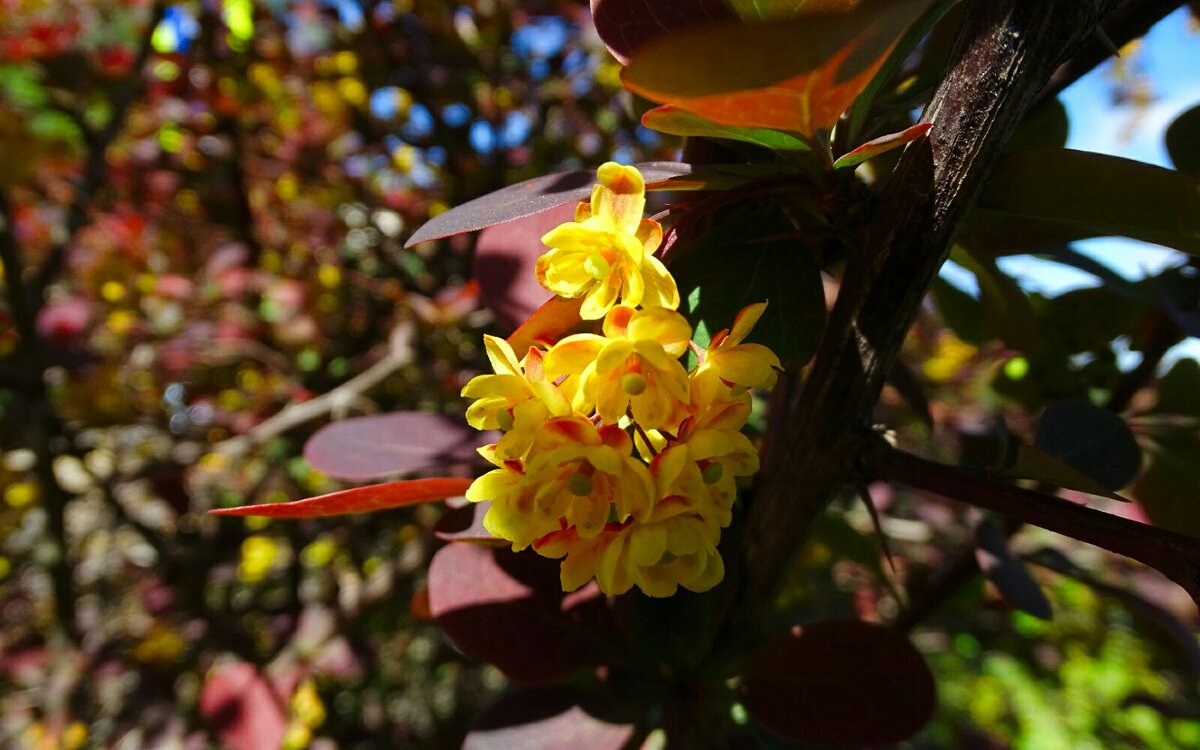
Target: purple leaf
[841,683]
[537,195]
[546,719]
[505,256]
[625,25]
[381,445]
[509,609]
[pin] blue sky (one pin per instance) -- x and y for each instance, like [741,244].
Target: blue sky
[1171,59]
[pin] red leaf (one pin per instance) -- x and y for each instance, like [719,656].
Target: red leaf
[842,683]
[882,144]
[243,707]
[625,25]
[509,609]
[380,445]
[357,500]
[546,719]
[548,324]
[531,197]
[797,75]
[505,256]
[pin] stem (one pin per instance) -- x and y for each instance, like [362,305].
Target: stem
[1005,54]
[1175,555]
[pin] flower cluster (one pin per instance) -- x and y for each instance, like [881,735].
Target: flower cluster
[614,457]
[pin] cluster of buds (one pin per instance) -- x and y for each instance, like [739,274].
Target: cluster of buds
[614,457]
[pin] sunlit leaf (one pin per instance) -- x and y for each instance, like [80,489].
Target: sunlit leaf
[1008,574]
[509,610]
[548,718]
[626,25]
[1079,194]
[1183,142]
[357,500]
[505,256]
[676,121]
[882,144]
[549,323]
[752,258]
[380,445]
[797,75]
[841,683]
[1090,439]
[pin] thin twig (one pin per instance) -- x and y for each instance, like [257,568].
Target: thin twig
[1175,555]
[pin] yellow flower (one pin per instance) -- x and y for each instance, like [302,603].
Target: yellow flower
[674,547]
[606,254]
[576,476]
[749,365]
[517,398]
[634,366]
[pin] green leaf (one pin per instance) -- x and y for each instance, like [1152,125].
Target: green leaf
[1046,127]
[779,10]
[1008,574]
[676,121]
[796,75]
[753,257]
[1028,462]
[960,311]
[1183,142]
[1179,390]
[912,37]
[1081,194]
[1008,314]
[1169,489]
[1091,440]
[882,144]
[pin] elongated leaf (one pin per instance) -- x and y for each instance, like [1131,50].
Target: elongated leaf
[1008,314]
[509,610]
[916,32]
[543,193]
[882,144]
[840,682]
[505,256]
[676,121]
[384,444]
[1008,574]
[1081,194]
[1092,440]
[754,258]
[779,10]
[1028,462]
[357,500]
[626,25]
[549,718]
[797,75]
[1183,142]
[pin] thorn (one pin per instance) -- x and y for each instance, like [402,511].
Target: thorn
[1107,41]
[865,496]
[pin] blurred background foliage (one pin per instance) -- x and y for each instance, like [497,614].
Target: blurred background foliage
[203,212]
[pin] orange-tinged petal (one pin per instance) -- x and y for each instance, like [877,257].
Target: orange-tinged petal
[661,289]
[620,195]
[663,325]
[745,320]
[502,356]
[751,365]
[572,355]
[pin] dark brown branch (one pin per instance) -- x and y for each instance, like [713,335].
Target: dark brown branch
[1005,54]
[1176,555]
[1122,26]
